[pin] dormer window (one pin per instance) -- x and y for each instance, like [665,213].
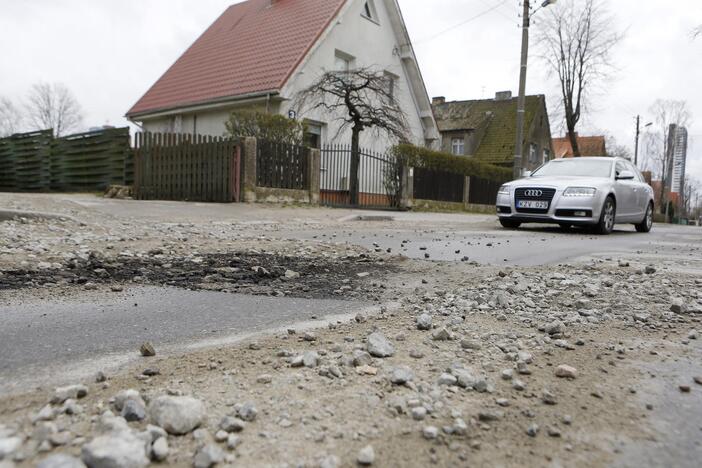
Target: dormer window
[369,11]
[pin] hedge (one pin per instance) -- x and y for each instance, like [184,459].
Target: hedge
[416,156]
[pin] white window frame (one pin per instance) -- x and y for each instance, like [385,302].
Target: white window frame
[343,62]
[392,83]
[458,146]
[370,12]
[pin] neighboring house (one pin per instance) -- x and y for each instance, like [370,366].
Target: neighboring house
[588,146]
[261,53]
[486,129]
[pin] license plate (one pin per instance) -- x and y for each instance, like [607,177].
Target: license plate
[532,204]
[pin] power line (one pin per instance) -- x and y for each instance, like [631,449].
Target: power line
[462,23]
[510,19]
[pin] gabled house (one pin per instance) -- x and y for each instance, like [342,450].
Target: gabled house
[261,53]
[485,129]
[588,146]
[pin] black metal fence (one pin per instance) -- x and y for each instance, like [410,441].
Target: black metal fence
[378,178]
[438,185]
[282,165]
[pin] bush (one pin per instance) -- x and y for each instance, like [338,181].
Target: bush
[272,127]
[415,156]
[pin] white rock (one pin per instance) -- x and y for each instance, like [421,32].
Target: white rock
[60,460]
[233,441]
[208,456]
[116,450]
[379,346]
[9,445]
[177,415]
[447,379]
[159,449]
[122,397]
[424,322]
[366,456]
[74,392]
[430,432]
[566,372]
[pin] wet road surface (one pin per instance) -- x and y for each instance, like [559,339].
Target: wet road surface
[42,334]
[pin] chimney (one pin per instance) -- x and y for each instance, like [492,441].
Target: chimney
[436,101]
[503,95]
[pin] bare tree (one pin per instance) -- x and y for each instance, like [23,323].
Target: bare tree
[697,32]
[690,194]
[666,113]
[615,150]
[576,41]
[358,99]
[10,117]
[55,107]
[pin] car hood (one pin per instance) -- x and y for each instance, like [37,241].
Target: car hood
[561,182]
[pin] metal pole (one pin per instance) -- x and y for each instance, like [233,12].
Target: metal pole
[521,103]
[638,132]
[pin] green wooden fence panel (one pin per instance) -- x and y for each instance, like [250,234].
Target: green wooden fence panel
[89,161]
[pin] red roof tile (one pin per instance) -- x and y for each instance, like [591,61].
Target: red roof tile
[253,47]
[588,146]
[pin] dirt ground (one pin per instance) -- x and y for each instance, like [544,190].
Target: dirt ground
[481,385]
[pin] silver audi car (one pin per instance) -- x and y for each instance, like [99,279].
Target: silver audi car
[594,191]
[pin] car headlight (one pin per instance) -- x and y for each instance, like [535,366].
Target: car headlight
[580,192]
[504,190]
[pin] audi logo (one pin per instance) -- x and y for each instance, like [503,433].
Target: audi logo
[533,193]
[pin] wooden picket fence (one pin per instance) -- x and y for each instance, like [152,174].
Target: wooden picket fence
[282,165]
[187,167]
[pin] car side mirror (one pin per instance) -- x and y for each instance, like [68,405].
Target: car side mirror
[527,173]
[625,175]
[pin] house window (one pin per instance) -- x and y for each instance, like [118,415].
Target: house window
[532,153]
[547,156]
[369,11]
[175,124]
[313,135]
[343,62]
[458,146]
[390,80]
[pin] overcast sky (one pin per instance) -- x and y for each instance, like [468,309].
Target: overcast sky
[108,52]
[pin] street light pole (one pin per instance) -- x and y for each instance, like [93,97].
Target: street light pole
[521,103]
[636,147]
[638,133]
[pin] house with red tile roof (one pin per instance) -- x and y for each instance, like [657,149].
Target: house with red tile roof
[261,53]
[588,146]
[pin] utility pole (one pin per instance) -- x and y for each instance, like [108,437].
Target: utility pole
[636,147]
[521,103]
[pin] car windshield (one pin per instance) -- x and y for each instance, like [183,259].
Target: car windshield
[575,167]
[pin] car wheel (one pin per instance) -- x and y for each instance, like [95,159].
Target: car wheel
[609,211]
[509,224]
[647,223]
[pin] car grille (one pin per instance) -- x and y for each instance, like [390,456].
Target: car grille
[547,194]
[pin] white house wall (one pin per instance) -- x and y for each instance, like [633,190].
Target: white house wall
[373,45]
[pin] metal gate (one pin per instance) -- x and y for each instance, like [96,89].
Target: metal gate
[379,179]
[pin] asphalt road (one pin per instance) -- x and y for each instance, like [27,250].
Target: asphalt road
[488,244]
[37,336]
